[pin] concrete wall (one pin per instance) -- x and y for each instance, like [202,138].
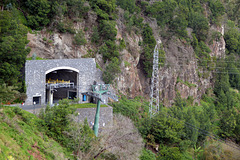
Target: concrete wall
[105,117]
[36,70]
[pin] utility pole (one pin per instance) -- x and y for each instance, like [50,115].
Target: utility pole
[98,91]
[154,95]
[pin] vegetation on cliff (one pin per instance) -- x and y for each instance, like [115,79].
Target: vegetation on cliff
[183,131]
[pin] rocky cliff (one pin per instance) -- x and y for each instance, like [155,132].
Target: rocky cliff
[180,72]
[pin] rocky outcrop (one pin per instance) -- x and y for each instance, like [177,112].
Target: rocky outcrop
[179,74]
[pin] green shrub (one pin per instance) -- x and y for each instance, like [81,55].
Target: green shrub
[56,119]
[109,50]
[149,43]
[199,24]
[122,44]
[169,153]
[108,30]
[38,11]
[128,5]
[50,41]
[95,36]
[111,71]
[79,39]
[147,155]
[65,26]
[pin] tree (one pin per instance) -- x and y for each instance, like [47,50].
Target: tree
[121,138]
[7,93]
[166,130]
[149,43]
[199,24]
[13,51]
[56,119]
[128,5]
[38,11]
[111,71]
[108,30]
[79,38]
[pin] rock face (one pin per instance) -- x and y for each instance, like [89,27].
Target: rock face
[179,74]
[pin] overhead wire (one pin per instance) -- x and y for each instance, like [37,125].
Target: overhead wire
[218,60]
[213,69]
[206,133]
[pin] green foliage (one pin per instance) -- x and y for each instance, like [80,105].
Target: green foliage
[23,136]
[132,109]
[38,11]
[122,44]
[231,38]
[99,67]
[199,24]
[56,119]
[111,71]
[162,11]
[65,26]
[7,93]
[79,38]
[108,30]
[86,105]
[217,10]
[232,11]
[186,83]
[127,64]
[149,43]
[73,9]
[128,5]
[166,130]
[79,136]
[177,15]
[167,153]
[104,8]
[109,50]
[95,36]
[13,51]
[178,25]
[147,155]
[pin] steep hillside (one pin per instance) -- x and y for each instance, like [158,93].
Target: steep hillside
[22,137]
[128,41]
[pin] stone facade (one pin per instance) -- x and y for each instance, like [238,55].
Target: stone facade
[105,116]
[36,70]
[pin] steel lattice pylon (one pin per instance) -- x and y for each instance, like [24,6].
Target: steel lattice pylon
[154,96]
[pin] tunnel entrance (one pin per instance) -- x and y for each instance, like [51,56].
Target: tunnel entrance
[60,84]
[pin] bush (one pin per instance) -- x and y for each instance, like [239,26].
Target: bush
[56,119]
[108,30]
[128,5]
[95,36]
[149,43]
[38,11]
[199,24]
[111,71]
[79,39]
[169,153]
[147,155]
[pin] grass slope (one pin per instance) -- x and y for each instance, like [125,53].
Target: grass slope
[23,137]
[87,105]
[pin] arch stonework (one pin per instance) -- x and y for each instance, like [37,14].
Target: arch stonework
[36,70]
[62,67]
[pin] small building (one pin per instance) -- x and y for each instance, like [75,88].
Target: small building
[48,81]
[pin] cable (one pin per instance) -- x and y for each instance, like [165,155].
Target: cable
[199,130]
[221,60]
[209,68]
